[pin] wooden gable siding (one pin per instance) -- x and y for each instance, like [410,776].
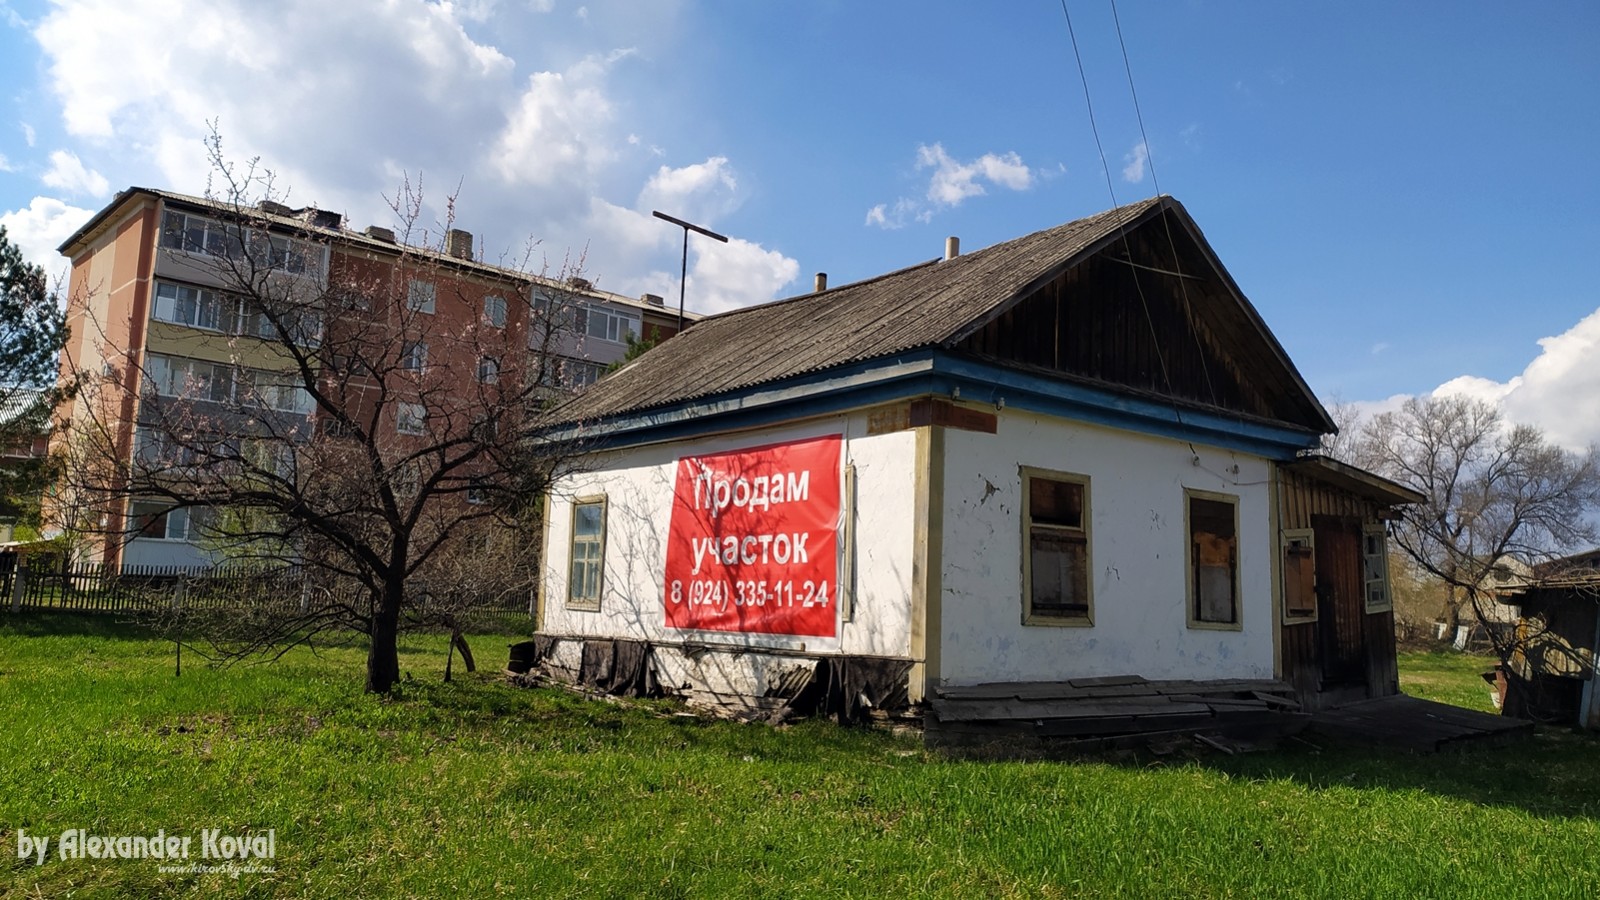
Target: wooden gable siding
[1302,503]
[1110,322]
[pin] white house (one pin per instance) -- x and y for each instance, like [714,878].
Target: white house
[1063,456]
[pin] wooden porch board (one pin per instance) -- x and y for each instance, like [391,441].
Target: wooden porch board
[1415,724]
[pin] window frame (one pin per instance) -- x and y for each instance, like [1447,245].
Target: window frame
[488,370]
[1290,537]
[414,357]
[1190,574]
[586,603]
[414,299]
[408,412]
[1370,531]
[495,309]
[1085,530]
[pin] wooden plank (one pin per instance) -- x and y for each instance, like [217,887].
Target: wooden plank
[1136,725]
[1107,681]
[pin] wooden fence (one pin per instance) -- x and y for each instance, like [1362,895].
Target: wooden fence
[55,583]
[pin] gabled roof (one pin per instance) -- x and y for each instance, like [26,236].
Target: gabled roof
[936,304]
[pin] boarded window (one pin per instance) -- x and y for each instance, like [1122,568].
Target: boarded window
[1375,567]
[1056,555]
[1299,575]
[588,552]
[1213,560]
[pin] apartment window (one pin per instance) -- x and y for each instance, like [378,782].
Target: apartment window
[193,379]
[1299,576]
[488,370]
[303,326]
[195,307]
[414,356]
[420,296]
[606,325]
[410,418]
[588,552]
[494,311]
[198,234]
[1213,560]
[477,491]
[1055,559]
[1375,568]
[159,521]
[282,391]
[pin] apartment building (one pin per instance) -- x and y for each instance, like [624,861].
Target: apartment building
[175,297]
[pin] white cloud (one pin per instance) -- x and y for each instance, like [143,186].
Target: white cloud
[1559,391]
[951,183]
[1133,172]
[700,193]
[560,129]
[40,227]
[345,100]
[5,164]
[728,276]
[68,173]
[28,134]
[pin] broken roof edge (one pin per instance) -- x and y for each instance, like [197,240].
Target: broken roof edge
[1355,479]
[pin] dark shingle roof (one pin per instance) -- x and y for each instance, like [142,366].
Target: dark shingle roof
[925,305]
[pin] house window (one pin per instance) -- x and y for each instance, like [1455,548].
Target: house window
[588,552]
[494,311]
[420,296]
[1055,559]
[1299,576]
[1375,568]
[414,356]
[488,370]
[410,418]
[1213,560]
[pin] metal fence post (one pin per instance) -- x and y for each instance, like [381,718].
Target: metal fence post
[305,597]
[178,592]
[18,585]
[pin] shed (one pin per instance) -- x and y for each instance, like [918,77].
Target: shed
[1072,455]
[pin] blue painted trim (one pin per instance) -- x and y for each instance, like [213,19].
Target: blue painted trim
[938,373]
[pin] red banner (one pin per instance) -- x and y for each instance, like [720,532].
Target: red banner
[753,544]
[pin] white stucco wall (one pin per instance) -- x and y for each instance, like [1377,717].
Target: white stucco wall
[638,486]
[1136,557]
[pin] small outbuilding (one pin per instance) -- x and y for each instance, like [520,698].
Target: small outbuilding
[1076,455]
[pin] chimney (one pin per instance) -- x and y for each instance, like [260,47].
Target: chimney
[952,247]
[579,283]
[380,234]
[275,208]
[653,299]
[459,243]
[822,282]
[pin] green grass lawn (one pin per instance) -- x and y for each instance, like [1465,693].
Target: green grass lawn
[476,789]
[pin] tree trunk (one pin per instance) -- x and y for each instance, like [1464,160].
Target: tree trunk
[383,652]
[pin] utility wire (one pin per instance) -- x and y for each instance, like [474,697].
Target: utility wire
[1150,160]
[1155,338]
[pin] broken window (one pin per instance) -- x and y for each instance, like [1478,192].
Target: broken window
[1375,568]
[588,552]
[1056,551]
[1213,559]
[1299,575]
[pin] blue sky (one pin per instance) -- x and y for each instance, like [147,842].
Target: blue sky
[1406,191]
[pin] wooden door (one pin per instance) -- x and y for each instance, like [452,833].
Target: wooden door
[1341,605]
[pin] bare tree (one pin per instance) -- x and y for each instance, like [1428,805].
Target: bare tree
[367,426]
[1498,495]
